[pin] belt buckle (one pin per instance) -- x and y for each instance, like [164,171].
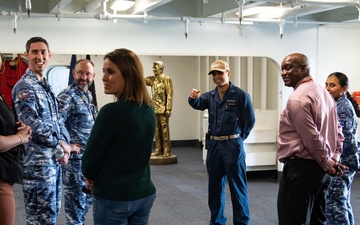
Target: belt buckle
[221,138]
[224,138]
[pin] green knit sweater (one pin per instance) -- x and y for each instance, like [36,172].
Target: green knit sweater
[118,151]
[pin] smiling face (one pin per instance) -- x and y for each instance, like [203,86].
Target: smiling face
[333,85]
[84,74]
[293,68]
[38,56]
[113,80]
[220,78]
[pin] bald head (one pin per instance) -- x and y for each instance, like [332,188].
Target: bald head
[298,58]
[294,67]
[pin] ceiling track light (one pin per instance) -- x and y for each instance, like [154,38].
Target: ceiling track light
[358,8]
[146,16]
[28,6]
[58,14]
[281,27]
[186,21]
[14,22]
[241,4]
[222,18]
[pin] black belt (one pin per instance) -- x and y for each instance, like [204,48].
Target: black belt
[290,158]
[224,138]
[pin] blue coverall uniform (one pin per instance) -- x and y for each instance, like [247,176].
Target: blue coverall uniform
[231,115]
[338,207]
[37,106]
[76,108]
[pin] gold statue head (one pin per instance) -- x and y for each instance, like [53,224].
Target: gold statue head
[158,67]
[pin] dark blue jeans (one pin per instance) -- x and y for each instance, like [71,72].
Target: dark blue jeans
[226,160]
[110,212]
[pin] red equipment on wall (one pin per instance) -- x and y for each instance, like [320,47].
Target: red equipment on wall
[356,96]
[10,73]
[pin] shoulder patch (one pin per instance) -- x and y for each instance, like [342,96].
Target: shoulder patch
[24,95]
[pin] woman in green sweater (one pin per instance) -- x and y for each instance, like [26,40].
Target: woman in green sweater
[116,159]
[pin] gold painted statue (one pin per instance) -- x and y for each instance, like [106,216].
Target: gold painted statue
[162,96]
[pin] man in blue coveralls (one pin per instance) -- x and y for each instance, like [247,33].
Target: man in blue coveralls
[37,106]
[231,118]
[78,111]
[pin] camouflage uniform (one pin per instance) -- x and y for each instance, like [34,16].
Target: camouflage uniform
[37,107]
[338,207]
[79,114]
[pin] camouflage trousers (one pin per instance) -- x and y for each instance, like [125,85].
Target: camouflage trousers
[77,203]
[338,208]
[42,194]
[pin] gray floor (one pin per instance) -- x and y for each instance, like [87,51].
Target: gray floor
[182,194]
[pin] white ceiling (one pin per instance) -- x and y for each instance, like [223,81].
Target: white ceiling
[203,11]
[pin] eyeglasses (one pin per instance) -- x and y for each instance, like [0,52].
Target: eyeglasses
[80,73]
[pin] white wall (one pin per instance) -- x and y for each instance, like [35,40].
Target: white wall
[328,49]
[339,50]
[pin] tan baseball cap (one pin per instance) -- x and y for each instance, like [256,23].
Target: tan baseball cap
[219,65]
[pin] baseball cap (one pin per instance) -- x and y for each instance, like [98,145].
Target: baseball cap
[219,65]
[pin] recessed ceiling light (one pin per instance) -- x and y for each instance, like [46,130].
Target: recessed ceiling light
[122,5]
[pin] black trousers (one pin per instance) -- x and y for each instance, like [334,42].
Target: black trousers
[301,197]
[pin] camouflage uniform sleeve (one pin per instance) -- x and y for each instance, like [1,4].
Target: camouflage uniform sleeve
[64,105]
[347,119]
[32,107]
[64,100]
[64,132]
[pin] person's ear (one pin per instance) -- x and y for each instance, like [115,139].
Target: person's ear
[304,67]
[344,89]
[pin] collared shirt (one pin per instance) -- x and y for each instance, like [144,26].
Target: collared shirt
[233,114]
[309,127]
[76,108]
[37,106]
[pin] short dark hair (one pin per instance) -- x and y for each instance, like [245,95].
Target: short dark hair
[34,40]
